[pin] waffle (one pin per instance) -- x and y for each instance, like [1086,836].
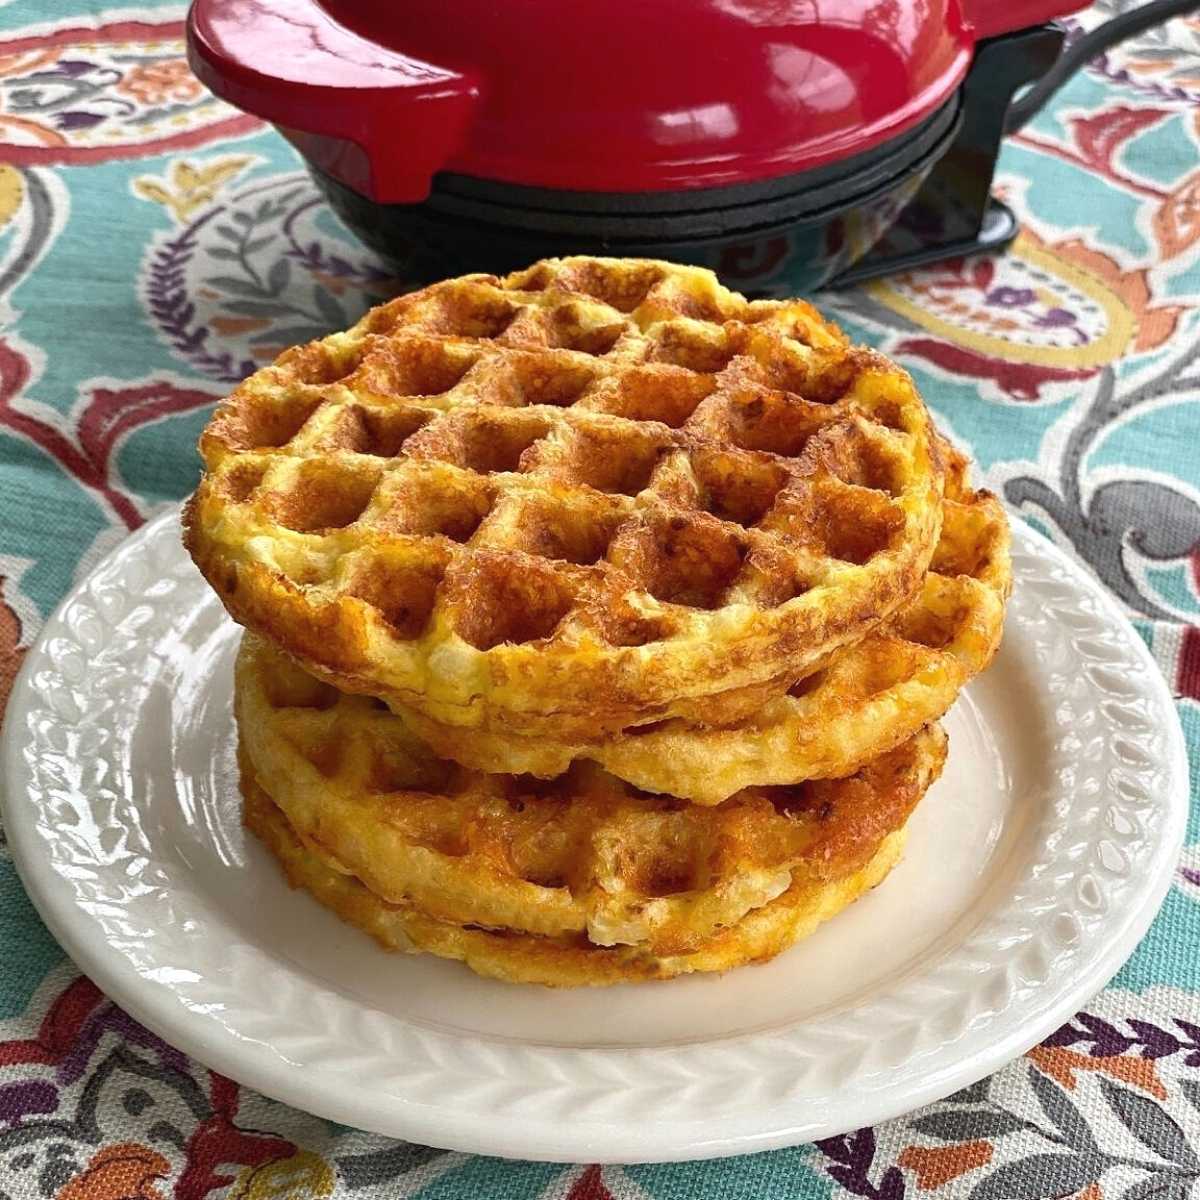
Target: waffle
[594,493]
[868,699]
[556,962]
[582,855]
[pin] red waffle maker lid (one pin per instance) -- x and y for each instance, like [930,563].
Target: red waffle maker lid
[591,95]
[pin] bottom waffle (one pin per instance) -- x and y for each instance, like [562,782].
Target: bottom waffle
[584,855]
[562,961]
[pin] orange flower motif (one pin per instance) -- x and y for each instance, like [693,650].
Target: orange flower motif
[125,1171]
[27,62]
[160,82]
[11,650]
[936,1166]
[1061,1064]
[1177,223]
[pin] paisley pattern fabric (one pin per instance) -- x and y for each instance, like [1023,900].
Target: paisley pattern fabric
[156,245]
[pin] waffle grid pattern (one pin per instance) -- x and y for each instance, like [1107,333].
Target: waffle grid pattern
[865,701]
[582,855]
[549,501]
[556,962]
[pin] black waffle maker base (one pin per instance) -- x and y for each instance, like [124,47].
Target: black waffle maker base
[919,198]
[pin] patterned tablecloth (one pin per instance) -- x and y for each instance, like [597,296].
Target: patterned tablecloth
[156,245]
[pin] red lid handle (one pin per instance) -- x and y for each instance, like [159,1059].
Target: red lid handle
[992,17]
[333,92]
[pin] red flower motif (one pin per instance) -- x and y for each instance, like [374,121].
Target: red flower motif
[1187,682]
[1022,381]
[590,1186]
[59,1028]
[218,1142]
[109,416]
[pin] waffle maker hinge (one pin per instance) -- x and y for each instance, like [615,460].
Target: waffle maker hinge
[955,213]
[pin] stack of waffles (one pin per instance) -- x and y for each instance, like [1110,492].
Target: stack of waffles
[599,620]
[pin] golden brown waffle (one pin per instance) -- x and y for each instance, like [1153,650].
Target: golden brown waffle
[591,494]
[868,699]
[584,854]
[563,961]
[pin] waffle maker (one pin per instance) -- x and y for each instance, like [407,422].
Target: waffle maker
[784,143]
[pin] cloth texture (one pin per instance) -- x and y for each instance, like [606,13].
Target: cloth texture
[156,245]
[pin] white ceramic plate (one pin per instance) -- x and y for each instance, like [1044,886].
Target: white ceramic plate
[1033,868]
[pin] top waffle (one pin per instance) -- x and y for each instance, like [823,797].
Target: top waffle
[593,493]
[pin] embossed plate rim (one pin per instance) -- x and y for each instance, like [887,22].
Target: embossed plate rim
[696,1100]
